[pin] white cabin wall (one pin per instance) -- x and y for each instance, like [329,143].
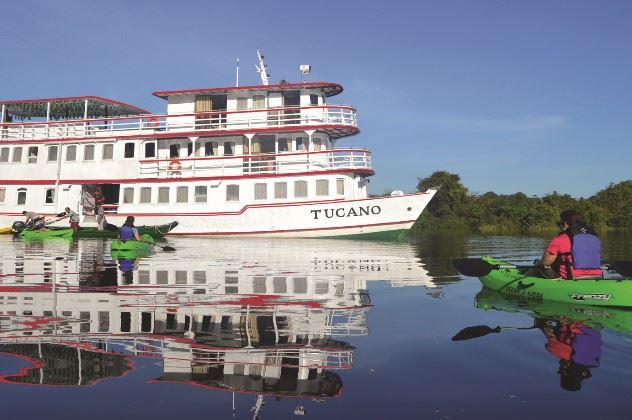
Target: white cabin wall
[181,104]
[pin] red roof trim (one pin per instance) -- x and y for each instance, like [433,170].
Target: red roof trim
[331,89]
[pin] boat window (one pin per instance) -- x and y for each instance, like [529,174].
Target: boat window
[322,287]
[261,191]
[282,145]
[163,194]
[145,195]
[232,192]
[300,145]
[52,153]
[280,190]
[242,104]
[4,154]
[129,150]
[300,189]
[17,154]
[340,186]
[200,194]
[259,284]
[300,285]
[3,194]
[21,196]
[104,321]
[313,99]
[317,145]
[33,154]
[279,285]
[258,102]
[210,148]
[71,153]
[322,187]
[50,196]
[108,151]
[174,150]
[182,194]
[150,150]
[128,195]
[229,148]
[88,152]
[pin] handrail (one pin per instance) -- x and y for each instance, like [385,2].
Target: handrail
[165,123]
[284,163]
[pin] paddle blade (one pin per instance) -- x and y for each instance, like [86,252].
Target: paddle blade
[472,267]
[474,332]
[622,267]
[168,248]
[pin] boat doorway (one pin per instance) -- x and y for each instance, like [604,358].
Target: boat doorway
[94,195]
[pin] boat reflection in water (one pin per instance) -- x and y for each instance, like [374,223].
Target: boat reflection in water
[572,332]
[252,317]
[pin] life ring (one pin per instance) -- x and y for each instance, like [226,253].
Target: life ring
[174,167]
[152,122]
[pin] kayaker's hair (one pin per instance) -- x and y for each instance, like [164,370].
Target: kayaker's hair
[129,221]
[571,217]
[24,212]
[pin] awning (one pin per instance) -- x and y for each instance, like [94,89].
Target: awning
[68,108]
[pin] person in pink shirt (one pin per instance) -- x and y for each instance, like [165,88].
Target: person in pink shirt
[574,253]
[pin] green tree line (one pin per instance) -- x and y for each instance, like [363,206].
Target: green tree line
[455,208]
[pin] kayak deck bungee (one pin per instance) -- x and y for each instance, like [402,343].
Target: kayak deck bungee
[46,233]
[597,292]
[615,319]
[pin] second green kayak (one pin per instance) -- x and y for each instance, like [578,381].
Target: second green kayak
[145,245]
[595,292]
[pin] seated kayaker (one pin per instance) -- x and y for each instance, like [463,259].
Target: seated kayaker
[128,231]
[574,253]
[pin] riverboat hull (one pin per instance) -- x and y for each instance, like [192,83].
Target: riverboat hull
[594,292]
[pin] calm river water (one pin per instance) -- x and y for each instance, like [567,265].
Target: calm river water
[274,329]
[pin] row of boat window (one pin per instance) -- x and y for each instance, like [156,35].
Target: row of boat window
[209,148]
[163,195]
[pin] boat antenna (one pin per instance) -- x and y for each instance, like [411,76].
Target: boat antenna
[262,69]
[237,75]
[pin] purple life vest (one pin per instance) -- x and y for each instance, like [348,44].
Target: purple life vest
[586,251]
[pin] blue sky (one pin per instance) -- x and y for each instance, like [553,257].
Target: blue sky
[531,96]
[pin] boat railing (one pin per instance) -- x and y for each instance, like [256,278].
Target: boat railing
[273,163]
[147,125]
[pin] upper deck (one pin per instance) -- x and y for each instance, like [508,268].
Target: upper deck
[193,112]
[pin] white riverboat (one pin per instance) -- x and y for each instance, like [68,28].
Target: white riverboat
[242,160]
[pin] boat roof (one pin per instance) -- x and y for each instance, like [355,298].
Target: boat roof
[330,89]
[72,107]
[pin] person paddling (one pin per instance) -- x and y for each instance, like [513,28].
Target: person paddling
[128,231]
[32,218]
[574,253]
[73,217]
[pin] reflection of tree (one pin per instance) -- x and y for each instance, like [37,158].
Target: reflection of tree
[436,251]
[64,365]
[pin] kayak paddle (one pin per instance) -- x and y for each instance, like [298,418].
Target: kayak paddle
[476,331]
[476,267]
[165,248]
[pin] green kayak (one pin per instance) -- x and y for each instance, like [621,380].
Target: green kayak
[594,316]
[130,249]
[595,292]
[157,231]
[46,233]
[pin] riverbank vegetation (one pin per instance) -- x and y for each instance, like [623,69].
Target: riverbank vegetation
[455,208]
